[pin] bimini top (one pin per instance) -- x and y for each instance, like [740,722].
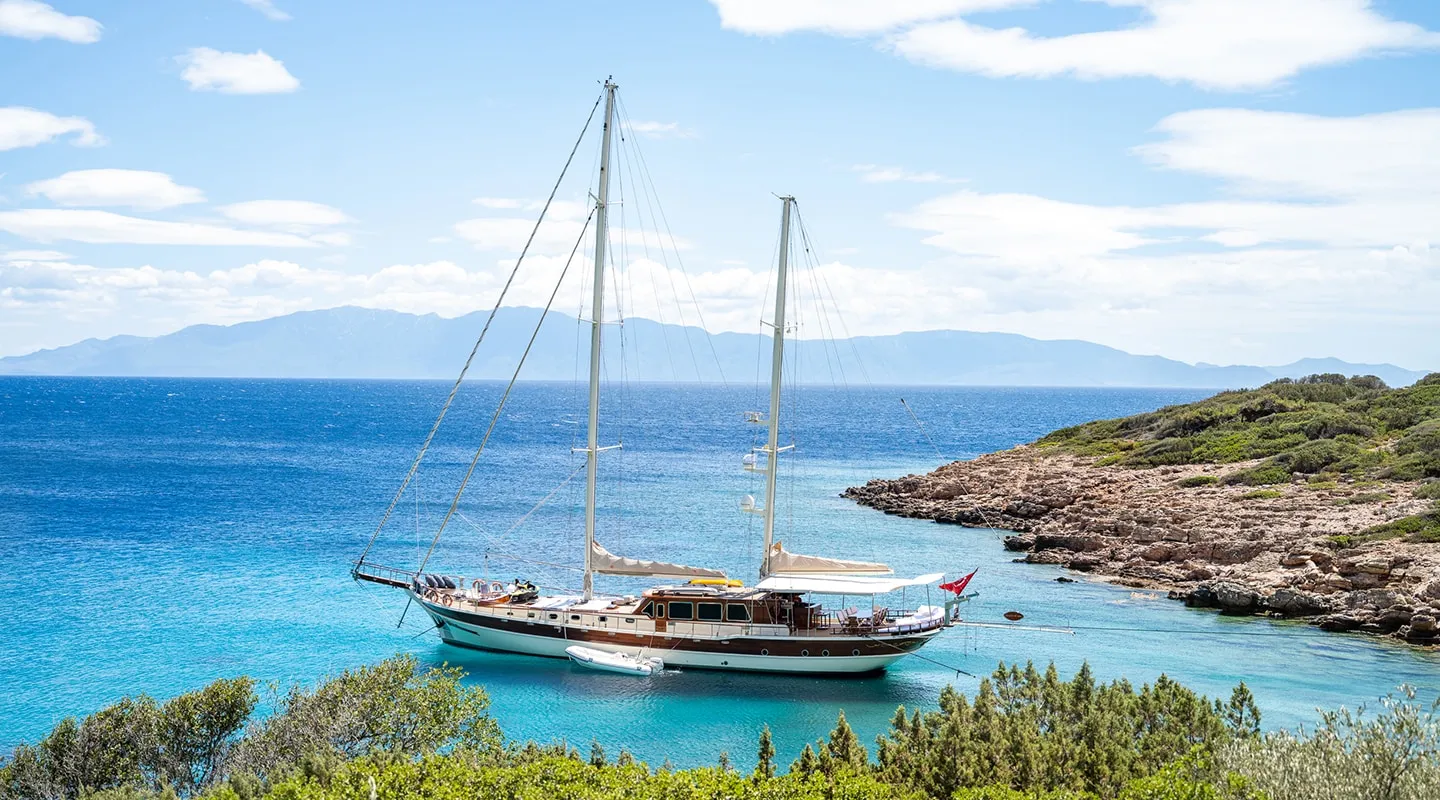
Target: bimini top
[842,584]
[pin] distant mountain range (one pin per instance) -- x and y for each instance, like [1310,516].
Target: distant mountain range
[353,342]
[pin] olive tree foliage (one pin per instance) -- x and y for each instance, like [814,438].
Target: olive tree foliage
[139,747]
[136,744]
[1391,754]
[390,707]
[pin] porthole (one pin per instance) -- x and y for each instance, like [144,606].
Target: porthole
[804,652]
[854,652]
[554,616]
[824,652]
[602,619]
[574,616]
[764,652]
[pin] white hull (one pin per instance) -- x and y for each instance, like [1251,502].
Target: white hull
[459,633]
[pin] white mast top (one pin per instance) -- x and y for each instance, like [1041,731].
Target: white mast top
[597,314]
[777,361]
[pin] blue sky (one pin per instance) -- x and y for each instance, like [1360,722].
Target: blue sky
[1217,180]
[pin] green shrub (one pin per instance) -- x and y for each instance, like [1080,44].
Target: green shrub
[1391,755]
[1430,490]
[1261,475]
[1362,498]
[1035,732]
[1262,494]
[136,744]
[1198,480]
[1414,528]
[140,748]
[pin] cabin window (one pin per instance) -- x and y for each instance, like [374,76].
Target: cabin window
[710,612]
[737,612]
[681,610]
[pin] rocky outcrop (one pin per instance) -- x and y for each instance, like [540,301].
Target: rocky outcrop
[1214,545]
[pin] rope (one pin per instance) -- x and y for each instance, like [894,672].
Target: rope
[471,358]
[989,523]
[495,419]
[915,654]
[528,514]
[921,426]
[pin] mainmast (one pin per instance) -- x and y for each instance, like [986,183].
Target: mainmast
[597,314]
[777,360]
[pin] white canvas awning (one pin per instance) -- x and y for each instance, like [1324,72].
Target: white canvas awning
[783,562]
[843,584]
[607,563]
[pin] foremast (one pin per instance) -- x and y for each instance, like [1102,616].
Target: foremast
[597,315]
[777,362]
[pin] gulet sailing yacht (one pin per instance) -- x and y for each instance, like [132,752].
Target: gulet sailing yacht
[702,618]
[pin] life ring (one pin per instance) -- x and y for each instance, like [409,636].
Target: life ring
[430,595]
[448,600]
[497,587]
[478,585]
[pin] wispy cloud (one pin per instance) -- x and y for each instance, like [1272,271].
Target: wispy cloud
[662,130]
[105,227]
[1214,45]
[116,187]
[267,7]
[27,127]
[874,173]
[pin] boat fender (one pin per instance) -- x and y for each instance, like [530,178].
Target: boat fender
[1014,616]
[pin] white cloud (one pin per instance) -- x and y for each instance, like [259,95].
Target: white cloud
[27,127]
[1328,226]
[29,19]
[1345,182]
[104,227]
[1215,44]
[661,130]
[116,187]
[873,173]
[34,255]
[843,17]
[235,73]
[293,215]
[1265,152]
[267,7]
[557,235]
[498,202]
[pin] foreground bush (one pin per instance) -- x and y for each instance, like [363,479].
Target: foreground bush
[199,739]
[1390,755]
[395,732]
[1035,732]
[458,776]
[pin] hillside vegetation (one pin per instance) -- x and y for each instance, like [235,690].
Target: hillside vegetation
[1323,428]
[1311,426]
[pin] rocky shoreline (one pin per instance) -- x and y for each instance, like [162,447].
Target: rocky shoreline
[1280,551]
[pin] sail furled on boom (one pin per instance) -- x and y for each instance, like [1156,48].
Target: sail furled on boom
[783,562]
[607,563]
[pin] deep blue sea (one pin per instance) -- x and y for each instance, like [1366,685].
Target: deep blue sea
[158,534]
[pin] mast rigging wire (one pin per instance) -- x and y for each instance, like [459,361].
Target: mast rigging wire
[430,437]
[495,418]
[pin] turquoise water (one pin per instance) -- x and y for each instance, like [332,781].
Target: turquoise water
[159,534]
